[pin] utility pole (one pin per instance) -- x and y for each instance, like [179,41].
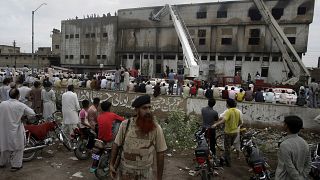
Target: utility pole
[14,53]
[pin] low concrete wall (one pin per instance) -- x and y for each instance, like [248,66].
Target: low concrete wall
[262,114]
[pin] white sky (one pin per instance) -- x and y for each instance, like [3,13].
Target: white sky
[15,19]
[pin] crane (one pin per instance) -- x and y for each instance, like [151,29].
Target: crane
[190,55]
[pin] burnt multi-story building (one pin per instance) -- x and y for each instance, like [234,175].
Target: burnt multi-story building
[87,43]
[230,37]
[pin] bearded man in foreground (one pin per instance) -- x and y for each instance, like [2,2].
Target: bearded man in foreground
[140,141]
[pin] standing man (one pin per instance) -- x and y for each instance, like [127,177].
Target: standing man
[117,77]
[143,138]
[4,90]
[180,83]
[171,81]
[294,160]
[70,108]
[232,119]
[12,132]
[209,116]
[313,93]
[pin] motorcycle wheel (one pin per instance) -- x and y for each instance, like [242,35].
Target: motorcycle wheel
[220,142]
[28,156]
[102,171]
[81,151]
[65,140]
[205,175]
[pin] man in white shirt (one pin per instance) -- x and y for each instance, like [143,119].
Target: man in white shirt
[163,89]
[88,84]
[24,93]
[103,84]
[149,89]
[270,97]
[186,91]
[4,90]
[70,108]
[70,81]
[232,94]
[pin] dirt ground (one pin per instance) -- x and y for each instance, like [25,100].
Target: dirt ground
[56,163]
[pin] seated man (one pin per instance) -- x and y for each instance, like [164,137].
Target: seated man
[85,126]
[105,121]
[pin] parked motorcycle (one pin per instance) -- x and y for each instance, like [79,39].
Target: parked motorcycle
[202,153]
[80,139]
[254,157]
[315,162]
[38,137]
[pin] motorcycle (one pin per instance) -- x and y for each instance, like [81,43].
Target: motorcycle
[315,162]
[254,157]
[202,153]
[38,136]
[80,139]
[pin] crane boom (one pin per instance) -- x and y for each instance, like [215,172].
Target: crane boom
[190,56]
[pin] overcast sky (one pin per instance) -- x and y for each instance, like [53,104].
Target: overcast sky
[15,19]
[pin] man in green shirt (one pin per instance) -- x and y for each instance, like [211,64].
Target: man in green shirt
[232,119]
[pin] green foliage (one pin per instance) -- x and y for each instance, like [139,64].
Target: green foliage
[179,129]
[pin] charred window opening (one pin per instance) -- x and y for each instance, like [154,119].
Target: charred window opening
[302,10]
[167,56]
[265,59]
[87,35]
[71,56]
[202,41]
[292,40]
[264,71]
[221,58]
[81,56]
[87,56]
[212,58]
[229,58]
[66,56]
[256,59]
[222,14]
[105,35]
[67,36]
[137,56]
[226,41]
[201,15]
[254,37]
[204,58]
[180,57]
[104,57]
[130,56]
[93,35]
[145,56]
[71,36]
[124,57]
[201,33]
[159,57]
[275,59]
[254,15]
[77,35]
[247,58]
[152,56]
[277,13]
[239,58]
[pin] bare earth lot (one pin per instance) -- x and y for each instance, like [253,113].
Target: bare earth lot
[59,165]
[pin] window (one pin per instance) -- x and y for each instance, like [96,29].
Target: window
[292,40]
[247,58]
[105,35]
[93,35]
[226,41]
[237,69]
[264,71]
[130,56]
[67,36]
[166,56]
[212,58]
[57,46]
[221,58]
[222,14]
[254,15]
[124,56]
[275,59]
[66,56]
[82,57]
[254,37]
[159,57]
[180,57]
[302,10]
[98,57]
[87,56]
[104,56]
[229,58]
[151,56]
[265,59]
[158,68]
[137,56]
[202,41]
[145,57]
[71,56]
[71,36]
[77,35]
[256,59]
[277,13]
[87,35]
[43,58]
[239,58]
[201,33]
[204,58]
[201,15]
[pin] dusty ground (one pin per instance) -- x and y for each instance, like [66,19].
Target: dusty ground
[60,166]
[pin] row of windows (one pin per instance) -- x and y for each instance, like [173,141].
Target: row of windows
[87,35]
[86,56]
[254,14]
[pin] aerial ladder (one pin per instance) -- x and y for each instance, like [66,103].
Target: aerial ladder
[190,55]
[284,46]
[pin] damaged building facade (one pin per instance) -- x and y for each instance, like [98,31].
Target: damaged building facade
[87,43]
[230,37]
